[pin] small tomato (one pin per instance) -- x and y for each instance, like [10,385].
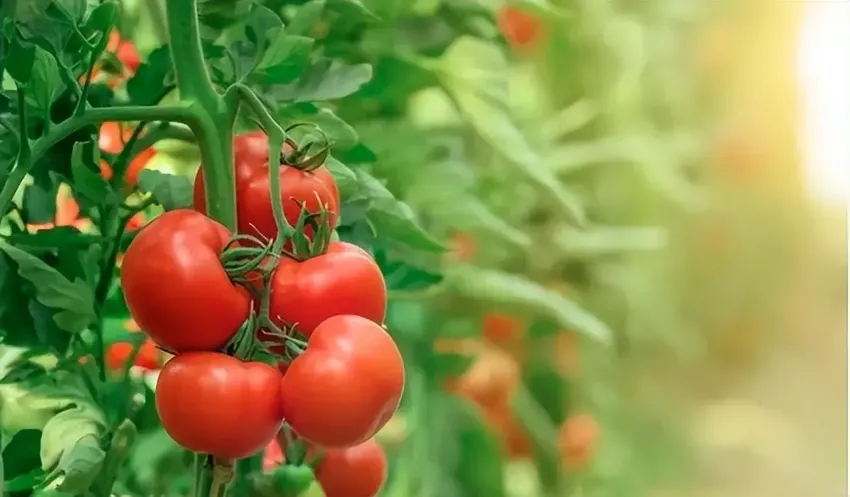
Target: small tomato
[519,27]
[491,380]
[351,366]
[289,479]
[358,471]
[314,189]
[502,329]
[175,286]
[344,280]
[216,404]
[118,353]
[577,440]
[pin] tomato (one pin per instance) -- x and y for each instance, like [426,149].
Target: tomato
[577,440]
[133,169]
[215,404]
[292,480]
[124,50]
[175,286]
[491,380]
[346,385]
[520,28]
[315,189]
[463,247]
[502,329]
[358,471]
[118,353]
[273,455]
[112,137]
[344,280]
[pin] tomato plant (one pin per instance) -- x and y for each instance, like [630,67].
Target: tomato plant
[351,365]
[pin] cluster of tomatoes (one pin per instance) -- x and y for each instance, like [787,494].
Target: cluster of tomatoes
[320,368]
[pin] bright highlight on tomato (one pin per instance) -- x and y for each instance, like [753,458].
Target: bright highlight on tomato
[175,286]
[344,280]
[215,404]
[358,471]
[347,384]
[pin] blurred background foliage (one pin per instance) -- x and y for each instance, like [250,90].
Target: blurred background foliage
[641,296]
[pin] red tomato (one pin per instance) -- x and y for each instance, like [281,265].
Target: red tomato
[112,137]
[358,471]
[118,353]
[345,280]
[216,404]
[124,50]
[133,169]
[502,329]
[347,384]
[175,286]
[519,27]
[577,440]
[316,189]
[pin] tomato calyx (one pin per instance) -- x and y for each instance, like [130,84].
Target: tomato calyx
[243,256]
[303,246]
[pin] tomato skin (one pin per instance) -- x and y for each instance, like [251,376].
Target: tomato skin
[112,137]
[118,353]
[216,404]
[520,28]
[347,384]
[358,471]
[344,280]
[502,329]
[577,440]
[316,189]
[175,286]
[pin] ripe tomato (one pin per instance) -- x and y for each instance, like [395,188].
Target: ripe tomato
[358,471]
[215,404]
[118,353]
[520,28]
[502,329]
[577,440]
[344,280]
[112,137]
[491,380]
[133,169]
[316,189]
[347,384]
[124,50]
[175,286]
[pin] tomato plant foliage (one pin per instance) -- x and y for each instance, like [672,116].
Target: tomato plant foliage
[107,108]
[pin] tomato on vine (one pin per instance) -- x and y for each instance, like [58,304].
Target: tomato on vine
[176,287]
[358,471]
[351,366]
[315,189]
[344,280]
[215,404]
[119,353]
[520,28]
[577,440]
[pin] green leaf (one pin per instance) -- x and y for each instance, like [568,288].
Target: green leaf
[70,448]
[74,301]
[261,21]
[354,9]
[346,179]
[403,277]
[171,191]
[474,74]
[103,17]
[21,456]
[305,18]
[85,180]
[515,292]
[324,80]
[152,78]
[53,238]
[394,219]
[45,84]
[284,60]
[479,467]
[608,240]
[19,62]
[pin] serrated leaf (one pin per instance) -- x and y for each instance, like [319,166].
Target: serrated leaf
[474,74]
[70,448]
[284,60]
[516,292]
[171,191]
[74,301]
[324,80]
[305,18]
[45,84]
[89,183]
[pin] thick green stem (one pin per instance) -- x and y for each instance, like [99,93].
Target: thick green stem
[202,476]
[216,127]
[92,116]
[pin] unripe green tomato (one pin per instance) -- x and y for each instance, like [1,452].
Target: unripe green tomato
[290,480]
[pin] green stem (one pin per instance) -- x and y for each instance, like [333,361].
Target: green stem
[202,476]
[244,469]
[27,156]
[193,79]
